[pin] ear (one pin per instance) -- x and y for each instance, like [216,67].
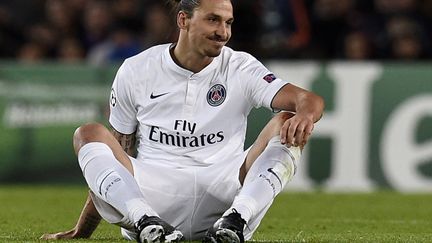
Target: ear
[182,20]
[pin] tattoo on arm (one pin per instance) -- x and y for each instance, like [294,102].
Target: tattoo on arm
[127,141]
[90,223]
[88,220]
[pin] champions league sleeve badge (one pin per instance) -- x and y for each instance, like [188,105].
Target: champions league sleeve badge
[216,95]
[113,98]
[269,78]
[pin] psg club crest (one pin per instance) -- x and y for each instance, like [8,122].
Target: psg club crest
[216,95]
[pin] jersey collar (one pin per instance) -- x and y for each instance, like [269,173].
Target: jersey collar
[182,71]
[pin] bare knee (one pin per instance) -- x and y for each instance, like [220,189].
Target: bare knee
[272,129]
[91,132]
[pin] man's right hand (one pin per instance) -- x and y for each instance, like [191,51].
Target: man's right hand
[71,234]
[87,223]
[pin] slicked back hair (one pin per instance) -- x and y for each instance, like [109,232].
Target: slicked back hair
[187,6]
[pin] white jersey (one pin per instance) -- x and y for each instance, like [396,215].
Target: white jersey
[189,119]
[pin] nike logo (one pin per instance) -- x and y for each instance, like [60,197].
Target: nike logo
[152,96]
[274,173]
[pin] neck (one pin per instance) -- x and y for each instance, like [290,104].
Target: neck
[188,59]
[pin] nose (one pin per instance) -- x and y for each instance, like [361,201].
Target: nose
[223,31]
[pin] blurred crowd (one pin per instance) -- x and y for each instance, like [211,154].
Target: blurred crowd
[107,31]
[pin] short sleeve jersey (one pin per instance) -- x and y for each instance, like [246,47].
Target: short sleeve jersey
[184,118]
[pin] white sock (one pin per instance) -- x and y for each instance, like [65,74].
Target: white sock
[112,182]
[266,178]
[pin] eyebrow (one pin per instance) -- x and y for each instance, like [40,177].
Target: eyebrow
[219,17]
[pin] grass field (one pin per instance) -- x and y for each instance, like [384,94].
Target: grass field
[27,212]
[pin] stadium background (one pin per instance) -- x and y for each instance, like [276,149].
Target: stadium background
[370,60]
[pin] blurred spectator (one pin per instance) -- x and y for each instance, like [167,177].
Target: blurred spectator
[97,20]
[357,46]
[158,25]
[60,19]
[122,43]
[395,6]
[247,26]
[70,50]
[407,48]
[105,31]
[11,35]
[286,28]
[45,37]
[128,13]
[30,53]
[76,8]
[331,21]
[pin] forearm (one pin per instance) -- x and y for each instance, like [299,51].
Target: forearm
[310,104]
[88,220]
[86,225]
[303,103]
[126,141]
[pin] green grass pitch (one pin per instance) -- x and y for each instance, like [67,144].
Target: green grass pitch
[26,212]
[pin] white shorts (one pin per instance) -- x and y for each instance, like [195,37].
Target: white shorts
[191,199]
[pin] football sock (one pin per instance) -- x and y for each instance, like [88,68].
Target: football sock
[267,177]
[112,182]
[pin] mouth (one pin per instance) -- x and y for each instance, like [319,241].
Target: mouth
[218,40]
[217,44]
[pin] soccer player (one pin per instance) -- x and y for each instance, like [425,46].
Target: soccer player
[186,104]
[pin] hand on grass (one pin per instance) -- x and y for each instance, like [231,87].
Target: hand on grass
[70,234]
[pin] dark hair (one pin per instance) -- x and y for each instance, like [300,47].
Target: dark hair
[187,6]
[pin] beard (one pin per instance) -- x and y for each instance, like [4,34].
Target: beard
[213,52]
[216,44]
[214,49]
